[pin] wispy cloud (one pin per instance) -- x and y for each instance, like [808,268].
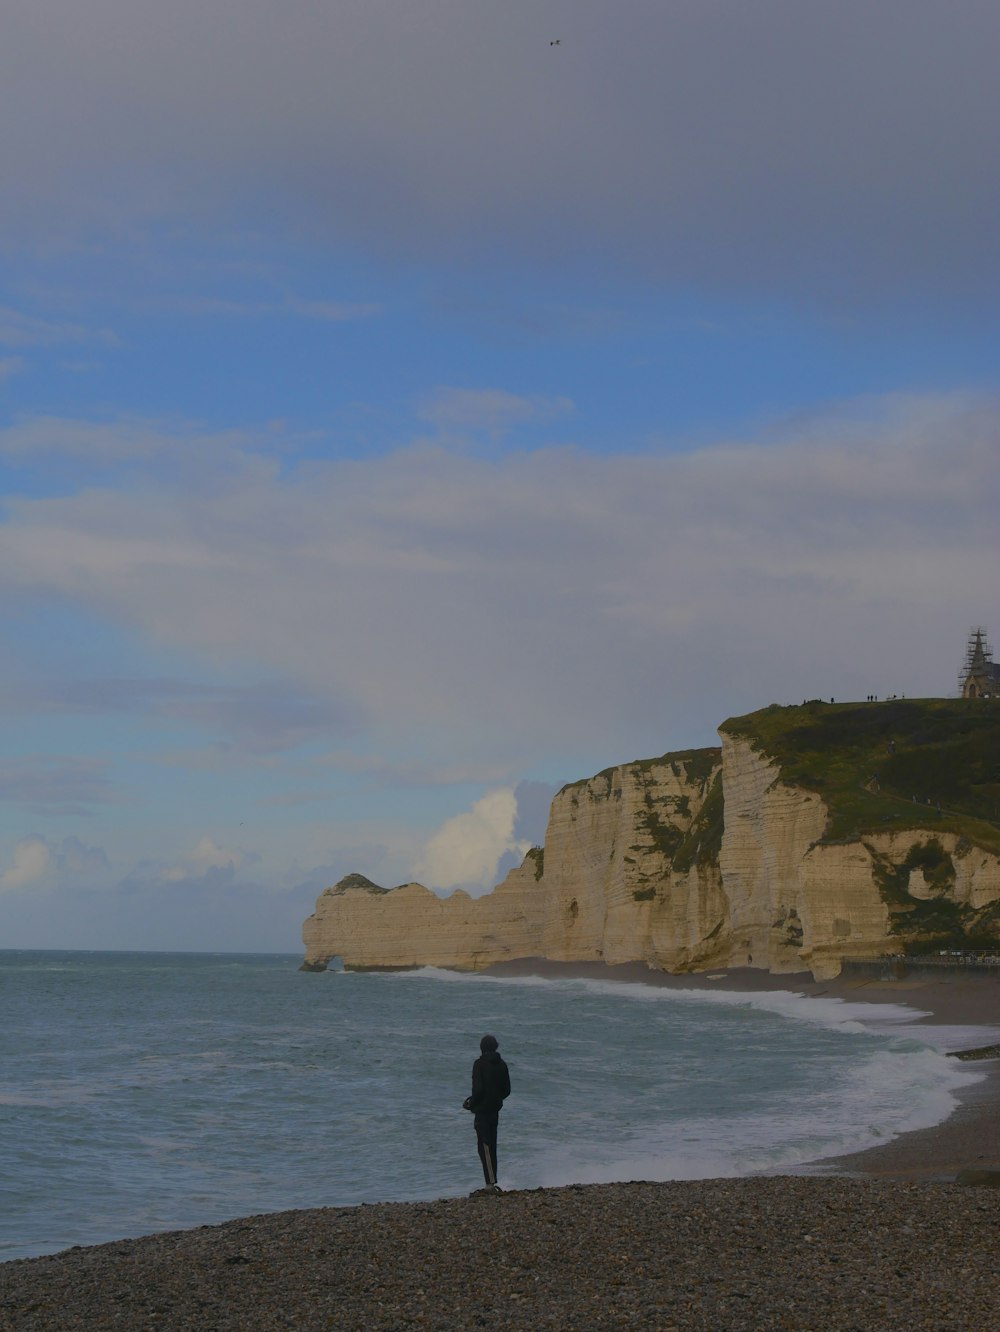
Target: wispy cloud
[489,409]
[333,312]
[258,719]
[171,452]
[18,329]
[51,785]
[96,442]
[387,772]
[10,366]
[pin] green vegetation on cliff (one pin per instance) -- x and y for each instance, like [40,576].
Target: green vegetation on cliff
[902,764]
[696,765]
[700,843]
[929,923]
[928,765]
[353,881]
[703,842]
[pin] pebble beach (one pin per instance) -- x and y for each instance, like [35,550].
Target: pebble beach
[903,1236]
[801,1252]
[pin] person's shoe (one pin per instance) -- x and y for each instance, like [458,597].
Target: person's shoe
[495,1189]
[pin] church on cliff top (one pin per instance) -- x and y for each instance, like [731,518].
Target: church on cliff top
[980,675]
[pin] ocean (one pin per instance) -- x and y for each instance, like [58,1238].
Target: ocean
[142,1092]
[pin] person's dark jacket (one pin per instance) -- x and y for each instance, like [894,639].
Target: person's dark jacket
[490,1084]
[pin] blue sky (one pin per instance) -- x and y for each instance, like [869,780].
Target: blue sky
[401,416]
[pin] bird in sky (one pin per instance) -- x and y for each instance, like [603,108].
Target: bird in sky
[557,42]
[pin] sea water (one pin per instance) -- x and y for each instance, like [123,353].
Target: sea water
[142,1092]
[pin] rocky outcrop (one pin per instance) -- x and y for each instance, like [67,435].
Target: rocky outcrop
[410,926]
[700,859]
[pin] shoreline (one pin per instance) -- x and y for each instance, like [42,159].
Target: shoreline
[967,1141]
[771,1251]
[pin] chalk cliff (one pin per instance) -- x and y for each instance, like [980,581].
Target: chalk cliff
[611,884]
[720,857]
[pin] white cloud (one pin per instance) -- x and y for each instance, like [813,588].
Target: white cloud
[462,611]
[32,863]
[38,862]
[466,850]
[206,855]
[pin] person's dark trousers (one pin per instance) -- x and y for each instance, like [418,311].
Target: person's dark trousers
[486,1144]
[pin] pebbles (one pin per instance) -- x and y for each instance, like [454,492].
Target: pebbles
[755,1254]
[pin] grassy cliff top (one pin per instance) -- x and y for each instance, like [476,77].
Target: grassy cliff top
[887,766]
[352,881]
[698,765]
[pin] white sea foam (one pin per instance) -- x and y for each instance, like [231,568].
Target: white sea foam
[822,1010]
[873,1101]
[905,1083]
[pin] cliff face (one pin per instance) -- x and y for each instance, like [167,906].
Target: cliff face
[411,926]
[620,879]
[793,902]
[706,858]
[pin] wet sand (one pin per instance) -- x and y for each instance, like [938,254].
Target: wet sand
[969,1140]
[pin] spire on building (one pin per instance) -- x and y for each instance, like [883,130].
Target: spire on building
[980,675]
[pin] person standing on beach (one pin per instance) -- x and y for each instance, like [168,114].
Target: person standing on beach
[490,1088]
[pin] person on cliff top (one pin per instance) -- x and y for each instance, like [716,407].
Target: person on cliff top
[490,1088]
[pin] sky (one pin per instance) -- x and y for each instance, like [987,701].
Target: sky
[406,409]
